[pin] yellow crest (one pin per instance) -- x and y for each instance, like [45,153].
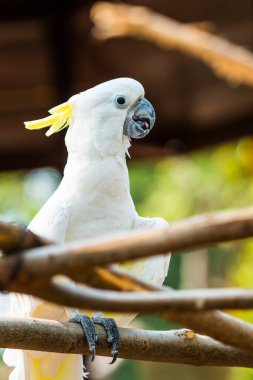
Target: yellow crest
[59,119]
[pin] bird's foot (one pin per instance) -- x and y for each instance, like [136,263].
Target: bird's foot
[112,334]
[89,331]
[110,327]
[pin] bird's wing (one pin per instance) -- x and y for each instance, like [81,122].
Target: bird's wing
[152,269]
[51,221]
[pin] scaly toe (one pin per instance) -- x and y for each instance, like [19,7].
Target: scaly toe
[112,334]
[89,331]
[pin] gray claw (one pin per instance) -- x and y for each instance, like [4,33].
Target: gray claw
[115,357]
[93,351]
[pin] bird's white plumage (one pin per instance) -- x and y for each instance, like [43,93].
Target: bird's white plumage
[93,200]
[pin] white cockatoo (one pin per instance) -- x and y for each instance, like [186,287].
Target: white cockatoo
[92,200]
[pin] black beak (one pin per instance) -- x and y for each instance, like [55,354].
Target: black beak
[140,120]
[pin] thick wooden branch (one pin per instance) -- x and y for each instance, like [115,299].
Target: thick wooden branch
[15,237]
[216,324]
[74,259]
[227,59]
[175,346]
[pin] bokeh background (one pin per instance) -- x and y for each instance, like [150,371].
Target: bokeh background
[199,157]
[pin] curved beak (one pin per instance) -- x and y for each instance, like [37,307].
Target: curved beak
[140,119]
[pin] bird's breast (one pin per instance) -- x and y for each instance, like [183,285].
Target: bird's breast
[98,200]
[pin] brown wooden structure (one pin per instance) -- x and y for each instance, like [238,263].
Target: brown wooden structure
[48,54]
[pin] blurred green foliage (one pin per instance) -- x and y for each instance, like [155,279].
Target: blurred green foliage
[22,194]
[172,188]
[204,181]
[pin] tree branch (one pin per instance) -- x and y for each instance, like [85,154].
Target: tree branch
[227,59]
[147,302]
[15,237]
[218,325]
[74,259]
[181,346]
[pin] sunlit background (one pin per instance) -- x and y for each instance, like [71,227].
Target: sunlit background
[208,176]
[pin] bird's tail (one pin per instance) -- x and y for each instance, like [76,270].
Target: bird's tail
[36,365]
[30,365]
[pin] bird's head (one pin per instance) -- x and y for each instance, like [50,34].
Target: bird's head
[107,111]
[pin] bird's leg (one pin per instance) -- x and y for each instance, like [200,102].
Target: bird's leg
[112,333]
[89,330]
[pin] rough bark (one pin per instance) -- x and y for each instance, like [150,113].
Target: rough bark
[175,346]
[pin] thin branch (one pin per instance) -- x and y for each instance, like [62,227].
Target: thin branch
[227,59]
[112,277]
[147,302]
[181,346]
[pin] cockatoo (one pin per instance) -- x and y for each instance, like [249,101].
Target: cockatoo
[92,200]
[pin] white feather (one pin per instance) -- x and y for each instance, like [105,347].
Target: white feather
[93,200]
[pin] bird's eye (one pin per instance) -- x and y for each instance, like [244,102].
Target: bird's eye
[121,101]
